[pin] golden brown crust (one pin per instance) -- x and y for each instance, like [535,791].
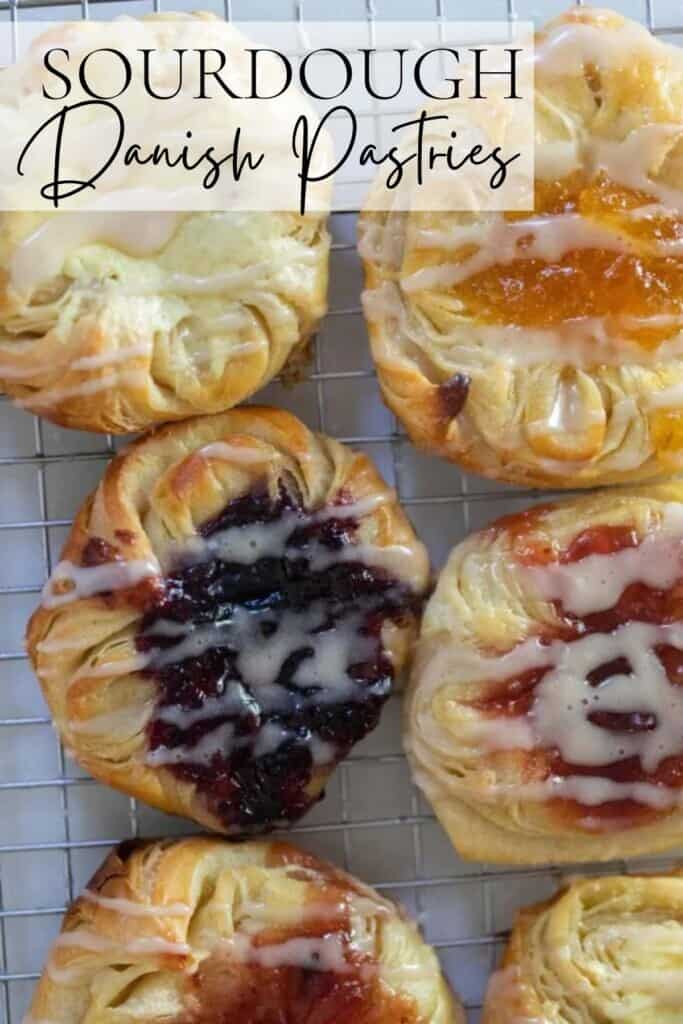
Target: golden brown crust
[115,325]
[599,950]
[199,929]
[497,350]
[74,374]
[547,662]
[153,499]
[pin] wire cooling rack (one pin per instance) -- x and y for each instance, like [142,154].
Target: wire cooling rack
[56,824]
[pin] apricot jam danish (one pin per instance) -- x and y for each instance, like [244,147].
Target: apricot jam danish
[545,348]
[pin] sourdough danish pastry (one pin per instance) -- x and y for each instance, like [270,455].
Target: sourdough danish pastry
[228,616]
[545,716]
[603,950]
[203,930]
[546,348]
[115,321]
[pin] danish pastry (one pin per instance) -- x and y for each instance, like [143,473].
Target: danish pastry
[603,950]
[115,322]
[545,715]
[545,348]
[204,930]
[231,608]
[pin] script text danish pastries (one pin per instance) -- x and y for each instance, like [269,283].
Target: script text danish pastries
[258,933]
[604,950]
[229,613]
[546,348]
[113,321]
[545,718]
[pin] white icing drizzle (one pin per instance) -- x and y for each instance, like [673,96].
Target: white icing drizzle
[590,790]
[582,341]
[569,45]
[272,735]
[669,398]
[112,669]
[235,700]
[120,722]
[326,953]
[651,211]
[82,938]
[545,237]
[235,453]
[10,372]
[260,657]
[131,908]
[564,699]
[569,414]
[58,646]
[113,357]
[86,581]
[247,544]
[91,942]
[231,281]
[42,255]
[603,697]
[262,639]
[628,162]
[120,378]
[120,355]
[595,583]
[231,320]
[220,740]
[255,916]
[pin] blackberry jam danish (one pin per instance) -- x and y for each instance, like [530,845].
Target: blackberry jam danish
[227,619]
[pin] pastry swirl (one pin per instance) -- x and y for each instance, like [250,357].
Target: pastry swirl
[202,930]
[115,322]
[545,713]
[545,348]
[602,950]
[227,619]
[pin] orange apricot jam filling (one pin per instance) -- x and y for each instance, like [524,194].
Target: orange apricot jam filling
[640,278]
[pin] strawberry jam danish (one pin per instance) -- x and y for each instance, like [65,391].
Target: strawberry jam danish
[228,616]
[546,348]
[545,718]
[202,930]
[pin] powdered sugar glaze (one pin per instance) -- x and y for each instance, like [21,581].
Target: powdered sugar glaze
[605,695]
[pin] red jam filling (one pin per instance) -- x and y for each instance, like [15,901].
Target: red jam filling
[255,783]
[230,989]
[224,991]
[515,697]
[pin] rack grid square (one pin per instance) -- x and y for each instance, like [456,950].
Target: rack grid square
[56,824]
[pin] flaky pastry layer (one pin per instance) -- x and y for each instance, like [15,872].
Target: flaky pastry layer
[201,930]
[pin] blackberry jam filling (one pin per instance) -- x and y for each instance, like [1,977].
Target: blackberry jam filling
[265,646]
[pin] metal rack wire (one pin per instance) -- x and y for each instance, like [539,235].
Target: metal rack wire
[55,823]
